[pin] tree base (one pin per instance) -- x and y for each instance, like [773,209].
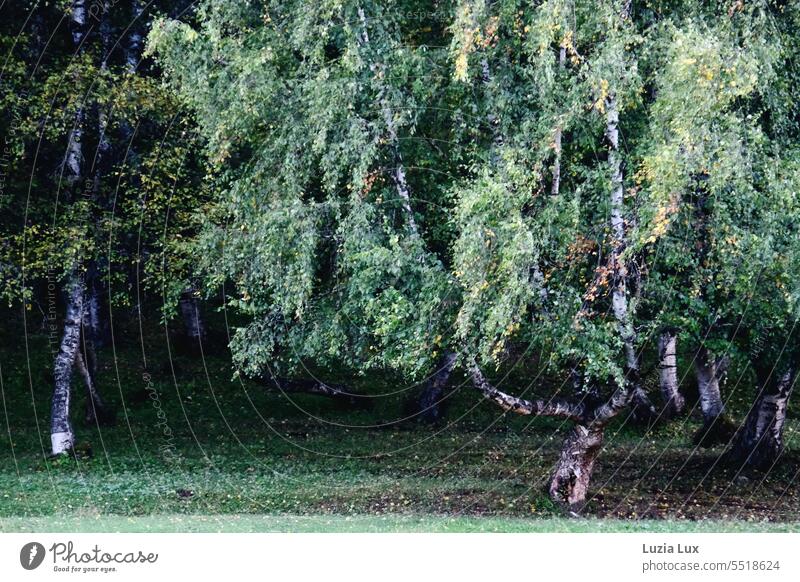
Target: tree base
[759,443]
[428,408]
[759,456]
[61,443]
[718,431]
[643,414]
[569,485]
[673,408]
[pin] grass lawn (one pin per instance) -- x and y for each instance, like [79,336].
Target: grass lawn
[193,450]
[374,523]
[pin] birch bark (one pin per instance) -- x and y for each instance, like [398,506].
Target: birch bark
[674,401]
[759,443]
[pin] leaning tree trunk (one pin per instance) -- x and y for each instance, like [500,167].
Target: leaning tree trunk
[97,412]
[62,437]
[674,402]
[430,403]
[716,429]
[569,484]
[759,442]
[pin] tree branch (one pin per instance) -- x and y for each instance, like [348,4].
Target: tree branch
[620,399]
[555,407]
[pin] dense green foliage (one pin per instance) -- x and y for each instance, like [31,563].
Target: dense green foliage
[309,111]
[137,189]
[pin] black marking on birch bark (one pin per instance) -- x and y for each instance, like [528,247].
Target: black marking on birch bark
[569,484]
[717,428]
[61,434]
[674,402]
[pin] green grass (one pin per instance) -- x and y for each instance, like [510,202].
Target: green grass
[374,524]
[243,459]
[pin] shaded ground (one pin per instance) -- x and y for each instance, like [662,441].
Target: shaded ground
[192,442]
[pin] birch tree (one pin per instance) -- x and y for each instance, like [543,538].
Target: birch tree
[566,189]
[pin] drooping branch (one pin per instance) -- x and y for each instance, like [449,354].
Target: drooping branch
[554,407]
[491,117]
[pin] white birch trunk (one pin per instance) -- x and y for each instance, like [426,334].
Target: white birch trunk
[643,409]
[668,373]
[716,429]
[556,185]
[707,371]
[62,437]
